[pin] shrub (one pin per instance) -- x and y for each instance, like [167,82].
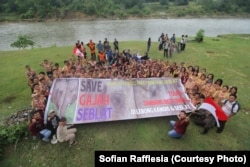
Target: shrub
[11,134]
[22,41]
[200,35]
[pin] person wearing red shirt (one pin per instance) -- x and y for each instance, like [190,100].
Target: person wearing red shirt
[179,126]
[36,124]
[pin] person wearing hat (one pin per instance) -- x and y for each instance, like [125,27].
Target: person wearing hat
[64,133]
[52,122]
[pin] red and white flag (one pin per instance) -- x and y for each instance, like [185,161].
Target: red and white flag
[210,105]
[77,52]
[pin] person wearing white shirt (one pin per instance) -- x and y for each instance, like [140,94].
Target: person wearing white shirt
[229,109]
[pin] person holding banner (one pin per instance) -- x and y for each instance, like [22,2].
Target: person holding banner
[179,126]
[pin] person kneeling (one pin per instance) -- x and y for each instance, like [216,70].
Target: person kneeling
[180,126]
[64,134]
[205,119]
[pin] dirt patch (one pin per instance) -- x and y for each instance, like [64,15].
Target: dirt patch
[9,99]
[18,117]
[78,16]
[210,52]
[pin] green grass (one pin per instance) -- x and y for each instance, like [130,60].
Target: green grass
[226,56]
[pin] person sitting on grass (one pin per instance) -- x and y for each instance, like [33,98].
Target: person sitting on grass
[36,124]
[52,123]
[180,126]
[65,133]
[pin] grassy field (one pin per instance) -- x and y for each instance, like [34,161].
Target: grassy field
[225,56]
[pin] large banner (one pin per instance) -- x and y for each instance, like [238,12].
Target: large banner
[86,100]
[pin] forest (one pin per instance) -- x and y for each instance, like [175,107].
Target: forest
[44,9]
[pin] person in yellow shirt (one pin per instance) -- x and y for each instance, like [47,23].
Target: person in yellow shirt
[222,94]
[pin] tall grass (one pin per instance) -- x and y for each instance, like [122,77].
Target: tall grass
[227,57]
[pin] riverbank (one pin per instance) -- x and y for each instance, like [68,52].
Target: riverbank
[83,17]
[65,32]
[141,134]
[173,13]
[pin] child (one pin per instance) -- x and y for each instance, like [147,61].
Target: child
[64,134]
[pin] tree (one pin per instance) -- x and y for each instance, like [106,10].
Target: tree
[200,35]
[181,2]
[23,41]
[164,2]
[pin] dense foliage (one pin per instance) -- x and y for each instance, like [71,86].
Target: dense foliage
[200,35]
[30,9]
[227,6]
[11,134]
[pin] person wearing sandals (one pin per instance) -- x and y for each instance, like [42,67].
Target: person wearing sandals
[65,133]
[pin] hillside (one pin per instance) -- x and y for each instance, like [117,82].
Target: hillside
[114,9]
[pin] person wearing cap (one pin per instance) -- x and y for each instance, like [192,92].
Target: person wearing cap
[64,133]
[52,122]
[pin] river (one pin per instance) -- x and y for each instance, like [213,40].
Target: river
[66,33]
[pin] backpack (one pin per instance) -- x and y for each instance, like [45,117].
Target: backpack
[236,103]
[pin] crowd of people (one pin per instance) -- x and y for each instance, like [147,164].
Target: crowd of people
[55,129]
[114,63]
[169,45]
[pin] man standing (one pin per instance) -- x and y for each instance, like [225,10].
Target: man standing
[100,46]
[91,46]
[116,45]
[172,39]
[182,43]
[165,47]
[185,40]
[148,44]
[230,107]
